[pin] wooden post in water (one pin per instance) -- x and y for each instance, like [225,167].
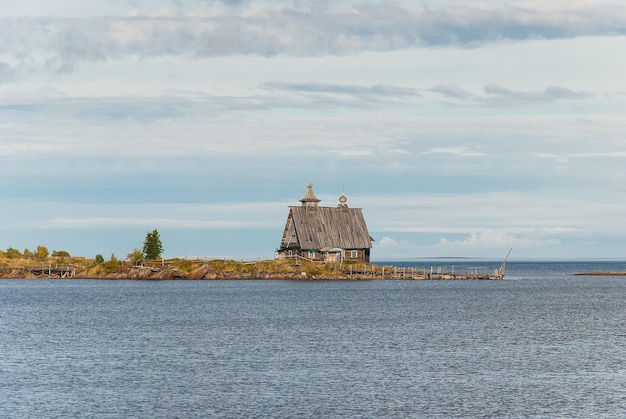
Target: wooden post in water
[503,267]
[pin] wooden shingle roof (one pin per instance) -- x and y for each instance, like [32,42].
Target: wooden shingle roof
[311,227]
[326,227]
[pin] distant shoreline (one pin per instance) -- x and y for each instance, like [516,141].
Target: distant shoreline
[600,273]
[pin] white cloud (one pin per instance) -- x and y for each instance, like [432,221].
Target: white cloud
[452,90]
[224,215]
[499,239]
[458,151]
[61,43]
[388,242]
[566,157]
[121,222]
[453,125]
[519,216]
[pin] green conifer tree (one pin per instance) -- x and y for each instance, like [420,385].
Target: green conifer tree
[152,245]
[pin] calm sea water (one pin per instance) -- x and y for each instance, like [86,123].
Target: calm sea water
[541,343]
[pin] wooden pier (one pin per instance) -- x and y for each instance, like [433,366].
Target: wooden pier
[417,273]
[52,272]
[351,270]
[429,273]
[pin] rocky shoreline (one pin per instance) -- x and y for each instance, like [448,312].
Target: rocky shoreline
[204,272]
[208,271]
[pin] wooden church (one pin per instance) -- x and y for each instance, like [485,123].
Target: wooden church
[325,234]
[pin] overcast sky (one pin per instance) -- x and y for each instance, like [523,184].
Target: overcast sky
[461,128]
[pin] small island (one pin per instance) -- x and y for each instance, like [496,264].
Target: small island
[60,265]
[63,267]
[318,243]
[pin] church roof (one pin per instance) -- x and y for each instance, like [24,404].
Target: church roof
[313,227]
[322,227]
